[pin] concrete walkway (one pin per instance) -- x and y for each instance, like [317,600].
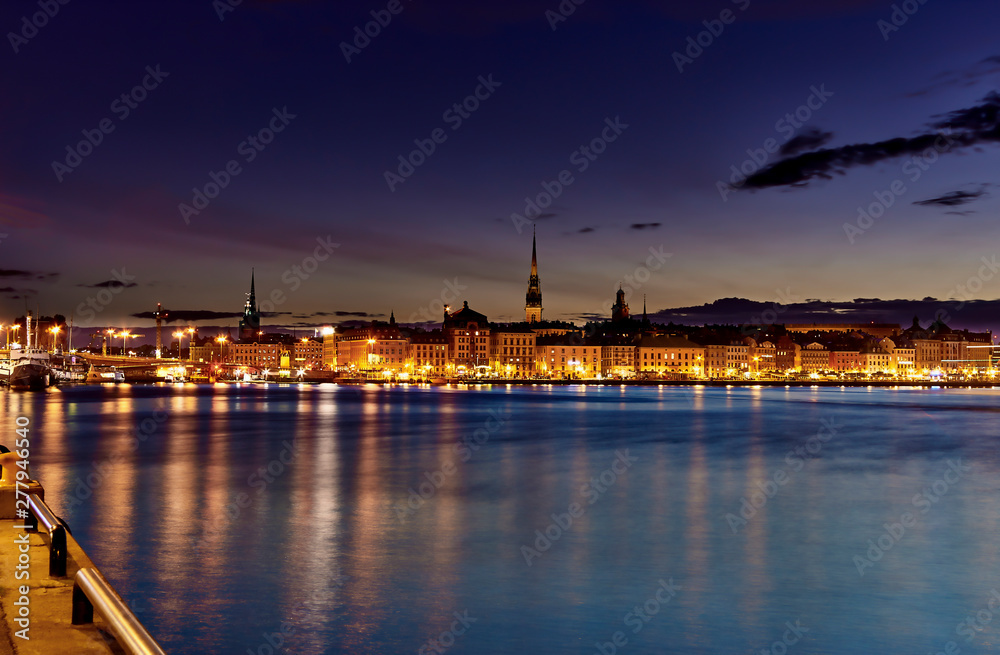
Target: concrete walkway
[50,601]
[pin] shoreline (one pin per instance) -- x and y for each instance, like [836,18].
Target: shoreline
[967,384]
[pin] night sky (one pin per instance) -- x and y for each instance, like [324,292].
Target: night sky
[879,96]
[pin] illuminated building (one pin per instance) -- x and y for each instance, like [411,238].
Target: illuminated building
[429,354]
[669,356]
[568,356]
[468,335]
[250,323]
[533,299]
[373,349]
[512,352]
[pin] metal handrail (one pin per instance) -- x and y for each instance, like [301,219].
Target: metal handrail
[90,591]
[57,534]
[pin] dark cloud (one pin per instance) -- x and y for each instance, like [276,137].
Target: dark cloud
[643,226]
[810,139]
[972,314]
[963,78]
[546,215]
[190,315]
[959,129]
[108,284]
[585,230]
[27,275]
[954,198]
[361,314]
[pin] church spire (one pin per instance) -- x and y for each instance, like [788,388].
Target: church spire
[533,299]
[534,257]
[250,323]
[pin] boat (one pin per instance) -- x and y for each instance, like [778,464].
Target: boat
[98,374]
[29,367]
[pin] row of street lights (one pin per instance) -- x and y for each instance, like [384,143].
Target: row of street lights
[14,327]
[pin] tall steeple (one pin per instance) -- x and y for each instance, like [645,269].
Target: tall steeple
[533,299]
[250,323]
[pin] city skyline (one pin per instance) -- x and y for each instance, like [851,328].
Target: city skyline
[424,155]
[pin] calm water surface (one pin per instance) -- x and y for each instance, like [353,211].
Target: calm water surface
[328,547]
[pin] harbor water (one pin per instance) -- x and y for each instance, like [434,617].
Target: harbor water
[533,519]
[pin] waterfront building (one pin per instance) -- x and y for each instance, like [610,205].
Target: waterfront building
[715,361]
[306,354]
[533,298]
[568,356]
[468,334]
[738,359]
[815,358]
[512,351]
[875,358]
[787,355]
[674,357]
[764,356]
[255,355]
[429,354]
[845,361]
[618,357]
[377,349]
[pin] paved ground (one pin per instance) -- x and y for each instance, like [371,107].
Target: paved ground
[51,630]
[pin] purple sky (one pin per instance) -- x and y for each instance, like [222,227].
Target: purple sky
[551,91]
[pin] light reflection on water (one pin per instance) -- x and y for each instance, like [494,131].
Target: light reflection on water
[324,543]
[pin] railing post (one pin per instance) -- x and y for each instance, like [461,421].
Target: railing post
[57,552]
[83,609]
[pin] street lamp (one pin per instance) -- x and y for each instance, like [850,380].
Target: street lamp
[14,327]
[55,329]
[124,335]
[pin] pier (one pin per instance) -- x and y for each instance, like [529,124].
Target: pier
[54,599]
